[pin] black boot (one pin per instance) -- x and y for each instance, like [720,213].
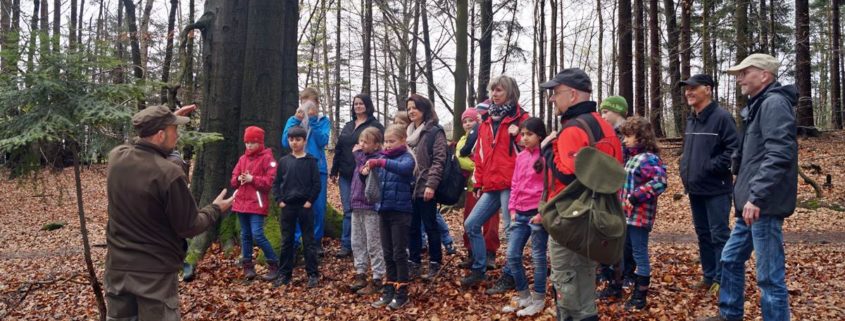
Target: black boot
[503,284]
[638,299]
[386,296]
[491,260]
[612,291]
[401,297]
[433,268]
[272,271]
[474,278]
[413,270]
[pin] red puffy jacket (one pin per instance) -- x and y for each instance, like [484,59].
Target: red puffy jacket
[495,153]
[570,141]
[262,166]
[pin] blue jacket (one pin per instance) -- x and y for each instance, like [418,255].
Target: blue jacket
[709,141]
[397,184]
[318,137]
[768,154]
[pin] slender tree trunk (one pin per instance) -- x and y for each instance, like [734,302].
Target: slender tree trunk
[686,46]
[625,57]
[44,38]
[412,75]
[461,22]
[71,38]
[535,48]
[143,34]
[86,246]
[33,27]
[5,34]
[601,50]
[57,26]
[485,47]
[656,78]
[367,32]
[706,50]
[118,72]
[79,20]
[553,40]
[137,67]
[188,59]
[803,70]
[471,94]
[640,93]
[679,109]
[836,51]
[168,55]
[615,49]
[509,37]
[541,62]
[326,75]
[337,62]
[11,41]
[429,72]
[763,26]
[741,26]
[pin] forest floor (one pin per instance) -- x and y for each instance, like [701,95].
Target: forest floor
[42,273]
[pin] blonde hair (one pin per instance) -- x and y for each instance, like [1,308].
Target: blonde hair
[310,93]
[400,131]
[508,84]
[372,133]
[401,117]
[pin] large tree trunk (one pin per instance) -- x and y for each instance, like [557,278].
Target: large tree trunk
[656,108]
[685,39]
[625,59]
[143,34]
[640,93]
[429,69]
[741,26]
[679,109]
[461,23]
[485,47]
[705,38]
[836,50]
[249,63]
[131,22]
[802,63]
[120,49]
[366,43]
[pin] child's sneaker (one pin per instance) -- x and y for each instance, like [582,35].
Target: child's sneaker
[400,299]
[522,299]
[537,303]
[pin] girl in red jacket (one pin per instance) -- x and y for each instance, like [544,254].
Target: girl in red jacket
[253,178]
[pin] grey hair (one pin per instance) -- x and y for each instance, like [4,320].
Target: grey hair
[508,84]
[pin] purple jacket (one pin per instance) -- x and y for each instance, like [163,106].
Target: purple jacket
[359,201]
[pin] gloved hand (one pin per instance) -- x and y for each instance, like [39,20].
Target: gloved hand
[376,163]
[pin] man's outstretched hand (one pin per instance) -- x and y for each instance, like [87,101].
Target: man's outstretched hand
[222,202]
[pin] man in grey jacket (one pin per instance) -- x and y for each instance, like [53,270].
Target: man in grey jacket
[765,191]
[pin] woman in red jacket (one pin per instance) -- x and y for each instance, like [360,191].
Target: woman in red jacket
[253,178]
[495,158]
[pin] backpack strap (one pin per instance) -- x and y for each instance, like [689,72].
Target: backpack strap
[590,125]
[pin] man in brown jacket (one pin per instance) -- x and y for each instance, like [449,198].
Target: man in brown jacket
[151,212]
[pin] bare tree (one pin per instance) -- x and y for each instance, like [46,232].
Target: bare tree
[802,63]
[485,47]
[678,107]
[366,41]
[836,51]
[461,24]
[625,59]
[656,108]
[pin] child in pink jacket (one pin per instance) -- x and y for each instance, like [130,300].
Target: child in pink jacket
[253,178]
[526,191]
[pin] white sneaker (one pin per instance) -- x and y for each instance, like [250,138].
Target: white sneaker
[538,303]
[521,299]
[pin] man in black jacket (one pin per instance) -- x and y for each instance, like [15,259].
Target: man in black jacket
[765,190]
[709,141]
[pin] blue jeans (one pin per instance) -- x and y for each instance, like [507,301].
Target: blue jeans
[345,185]
[425,214]
[710,215]
[319,210]
[445,237]
[487,205]
[637,238]
[765,239]
[252,228]
[521,231]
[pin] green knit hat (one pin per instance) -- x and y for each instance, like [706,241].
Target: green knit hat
[616,104]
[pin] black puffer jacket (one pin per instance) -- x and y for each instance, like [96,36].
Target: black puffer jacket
[768,154]
[709,141]
[344,162]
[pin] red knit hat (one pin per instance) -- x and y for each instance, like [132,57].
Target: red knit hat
[254,134]
[469,113]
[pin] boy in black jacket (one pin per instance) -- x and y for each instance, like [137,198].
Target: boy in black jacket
[295,189]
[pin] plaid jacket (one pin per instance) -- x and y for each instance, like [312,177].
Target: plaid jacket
[645,181]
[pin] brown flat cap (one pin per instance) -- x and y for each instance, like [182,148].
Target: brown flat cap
[154,118]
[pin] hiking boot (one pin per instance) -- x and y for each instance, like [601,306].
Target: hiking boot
[536,305]
[343,253]
[521,300]
[313,281]
[372,287]
[400,299]
[714,289]
[466,263]
[188,272]
[638,298]
[703,284]
[272,271]
[249,270]
[604,273]
[491,260]
[474,278]
[613,290]
[502,285]
[433,268]
[282,280]
[387,295]
[413,270]
[450,249]
[360,282]
[716,318]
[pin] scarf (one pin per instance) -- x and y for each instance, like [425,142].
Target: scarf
[500,111]
[414,134]
[394,152]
